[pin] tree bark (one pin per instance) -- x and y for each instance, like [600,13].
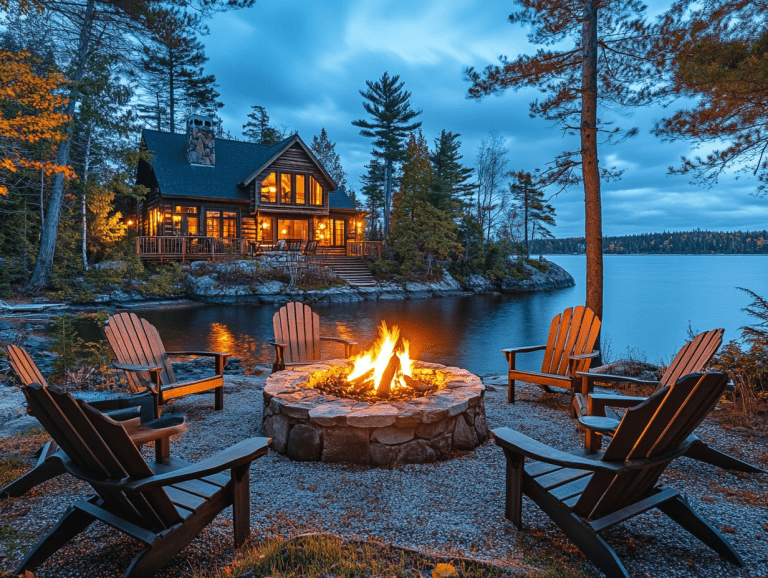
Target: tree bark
[387,197]
[83,203]
[589,161]
[41,276]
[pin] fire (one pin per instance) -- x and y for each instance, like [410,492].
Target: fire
[386,366]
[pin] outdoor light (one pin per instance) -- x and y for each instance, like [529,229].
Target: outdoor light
[284,231]
[130,222]
[322,225]
[264,225]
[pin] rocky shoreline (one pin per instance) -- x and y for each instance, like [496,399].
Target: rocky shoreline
[209,288]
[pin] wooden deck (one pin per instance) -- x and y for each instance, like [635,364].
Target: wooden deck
[168,249]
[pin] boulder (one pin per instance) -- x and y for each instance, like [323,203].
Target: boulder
[346,445]
[304,443]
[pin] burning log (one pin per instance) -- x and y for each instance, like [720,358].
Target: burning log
[393,366]
[416,384]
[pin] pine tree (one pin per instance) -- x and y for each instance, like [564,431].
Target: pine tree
[390,110]
[325,151]
[373,189]
[171,70]
[535,212]
[607,61]
[450,189]
[421,234]
[259,130]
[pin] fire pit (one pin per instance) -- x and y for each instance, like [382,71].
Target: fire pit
[342,411]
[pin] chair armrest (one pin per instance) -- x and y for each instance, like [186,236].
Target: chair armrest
[239,454]
[511,440]
[127,407]
[598,424]
[592,377]
[199,353]
[526,349]
[338,340]
[607,400]
[585,356]
[153,371]
[278,345]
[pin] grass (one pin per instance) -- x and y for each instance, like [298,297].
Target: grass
[325,556]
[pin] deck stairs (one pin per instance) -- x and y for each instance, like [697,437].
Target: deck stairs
[352,269]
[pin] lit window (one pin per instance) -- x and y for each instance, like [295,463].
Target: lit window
[300,189]
[315,192]
[212,223]
[292,229]
[265,230]
[269,189]
[285,188]
[229,225]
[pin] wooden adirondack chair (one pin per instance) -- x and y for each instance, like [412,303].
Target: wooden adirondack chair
[572,335]
[135,412]
[164,505]
[585,496]
[297,337]
[140,353]
[592,407]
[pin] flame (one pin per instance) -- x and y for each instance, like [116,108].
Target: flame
[379,355]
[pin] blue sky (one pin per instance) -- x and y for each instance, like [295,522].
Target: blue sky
[306,61]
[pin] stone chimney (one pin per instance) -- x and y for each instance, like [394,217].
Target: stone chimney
[201,145]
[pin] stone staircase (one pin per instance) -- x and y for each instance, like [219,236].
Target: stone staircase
[352,269]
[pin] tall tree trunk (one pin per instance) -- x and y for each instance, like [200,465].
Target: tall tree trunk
[42,193]
[41,276]
[172,101]
[86,171]
[387,197]
[589,166]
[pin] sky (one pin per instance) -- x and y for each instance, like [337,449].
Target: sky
[306,62]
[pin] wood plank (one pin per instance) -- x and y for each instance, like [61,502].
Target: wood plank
[558,478]
[573,488]
[302,335]
[554,328]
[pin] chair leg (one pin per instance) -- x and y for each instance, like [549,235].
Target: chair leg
[682,513]
[218,402]
[705,453]
[70,525]
[49,466]
[510,390]
[241,505]
[514,489]
[592,441]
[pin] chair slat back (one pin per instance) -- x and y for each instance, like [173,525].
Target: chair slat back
[658,425]
[573,332]
[136,341]
[23,366]
[296,325]
[694,356]
[101,448]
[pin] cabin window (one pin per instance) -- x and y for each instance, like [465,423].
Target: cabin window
[264,232]
[292,229]
[285,188]
[155,222]
[185,221]
[212,223]
[229,224]
[330,232]
[315,192]
[301,184]
[269,189]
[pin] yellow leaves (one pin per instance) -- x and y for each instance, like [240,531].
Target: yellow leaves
[30,113]
[444,571]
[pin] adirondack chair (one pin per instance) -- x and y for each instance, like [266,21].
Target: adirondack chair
[135,412]
[140,353]
[592,408]
[585,496]
[164,505]
[572,334]
[297,337]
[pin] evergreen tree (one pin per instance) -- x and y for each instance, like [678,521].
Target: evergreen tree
[534,211]
[171,70]
[607,61]
[259,130]
[391,112]
[325,151]
[450,189]
[373,189]
[421,234]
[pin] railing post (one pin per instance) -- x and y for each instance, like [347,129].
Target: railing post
[213,248]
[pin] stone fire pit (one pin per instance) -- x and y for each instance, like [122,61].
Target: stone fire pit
[307,425]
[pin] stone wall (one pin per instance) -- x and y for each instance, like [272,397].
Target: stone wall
[201,144]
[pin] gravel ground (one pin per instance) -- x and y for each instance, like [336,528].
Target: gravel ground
[453,507]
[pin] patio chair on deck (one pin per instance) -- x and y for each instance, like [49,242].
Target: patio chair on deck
[592,408]
[572,334]
[585,495]
[135,412]
[164,504]
[141,354]
[297,337]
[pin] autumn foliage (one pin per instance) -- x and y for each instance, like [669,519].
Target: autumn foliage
[29,114]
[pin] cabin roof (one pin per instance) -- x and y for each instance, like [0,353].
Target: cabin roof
[237,163]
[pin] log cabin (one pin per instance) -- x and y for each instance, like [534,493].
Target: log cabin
[210,196]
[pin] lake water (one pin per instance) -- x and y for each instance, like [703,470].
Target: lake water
[649,302]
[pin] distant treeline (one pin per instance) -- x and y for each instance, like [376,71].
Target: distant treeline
[683,242]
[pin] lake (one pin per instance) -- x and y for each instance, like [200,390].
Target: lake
[650,300]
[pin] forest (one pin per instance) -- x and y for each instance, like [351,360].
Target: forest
[674,243]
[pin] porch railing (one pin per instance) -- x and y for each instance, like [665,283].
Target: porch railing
[184,248]
[363,249]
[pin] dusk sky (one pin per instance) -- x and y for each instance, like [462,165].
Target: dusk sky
[305,62]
